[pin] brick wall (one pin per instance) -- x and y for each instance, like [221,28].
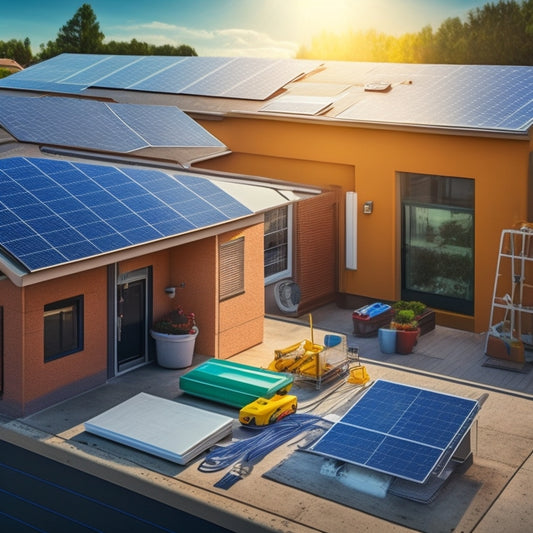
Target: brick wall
[316,234]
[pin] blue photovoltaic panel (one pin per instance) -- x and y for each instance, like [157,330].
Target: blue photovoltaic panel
[221,82]
[100,68]
[99,125]
[180,75]
[266,82]
[139,68]
[400,430]
[474,96]
[247,78]
[53,212]
[11,82]
[164,126]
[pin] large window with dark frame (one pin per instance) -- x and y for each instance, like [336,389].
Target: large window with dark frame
[438,241]
[63,328]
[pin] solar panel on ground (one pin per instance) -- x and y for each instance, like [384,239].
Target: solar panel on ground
[53,212]
[99,125]
[400,430]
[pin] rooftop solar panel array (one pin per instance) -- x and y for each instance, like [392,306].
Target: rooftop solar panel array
[473,96]
[100,125]
[53,212]
[247,78]
[400,430]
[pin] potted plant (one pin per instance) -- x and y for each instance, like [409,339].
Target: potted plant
[407,330]
[417,307]
[175,337]
[423,314]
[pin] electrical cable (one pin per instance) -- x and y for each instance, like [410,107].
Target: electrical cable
[242,454]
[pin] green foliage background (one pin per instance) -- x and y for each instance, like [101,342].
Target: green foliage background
[495,34]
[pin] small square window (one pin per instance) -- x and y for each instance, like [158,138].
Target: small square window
[63,328]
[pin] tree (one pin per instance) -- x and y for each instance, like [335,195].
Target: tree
[451,42]
[17,50]
[495,34]
[80,35]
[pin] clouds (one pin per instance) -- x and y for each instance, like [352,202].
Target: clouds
[219,42]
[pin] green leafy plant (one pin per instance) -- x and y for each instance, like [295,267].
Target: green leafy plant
[413,305]
[404,319]
[177,322]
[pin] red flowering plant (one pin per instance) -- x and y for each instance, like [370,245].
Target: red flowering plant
[177,322]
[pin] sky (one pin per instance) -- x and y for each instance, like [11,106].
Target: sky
[259,28]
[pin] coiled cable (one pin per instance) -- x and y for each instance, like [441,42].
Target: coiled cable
[246,452]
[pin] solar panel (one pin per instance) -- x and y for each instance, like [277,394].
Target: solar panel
[99,125]
[53,212]
[298,105]
[241,77]
[164,126]
[138,68]
[400,430]
[474,96]
[180,75]
[99,68]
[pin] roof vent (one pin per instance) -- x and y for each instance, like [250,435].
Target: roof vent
[379,87]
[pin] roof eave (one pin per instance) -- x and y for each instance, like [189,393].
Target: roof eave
[24,278]
[389,126]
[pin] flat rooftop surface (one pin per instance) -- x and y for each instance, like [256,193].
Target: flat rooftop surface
[284,492]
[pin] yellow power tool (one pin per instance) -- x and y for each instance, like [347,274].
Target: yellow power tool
[264,411]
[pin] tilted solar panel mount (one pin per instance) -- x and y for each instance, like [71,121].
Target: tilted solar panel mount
[400,430]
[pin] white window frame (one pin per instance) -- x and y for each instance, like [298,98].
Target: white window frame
[287,273]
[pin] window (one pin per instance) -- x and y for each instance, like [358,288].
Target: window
[63,328]
[277,244]
[231,268]
[438,241]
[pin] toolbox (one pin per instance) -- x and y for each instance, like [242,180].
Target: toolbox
[368,319]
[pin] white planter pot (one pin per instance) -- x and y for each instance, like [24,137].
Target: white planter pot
[174,351]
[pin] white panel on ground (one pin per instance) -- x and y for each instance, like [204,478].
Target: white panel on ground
[161,427]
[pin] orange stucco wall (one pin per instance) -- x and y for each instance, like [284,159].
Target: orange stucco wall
[29,382]
[225,328]
[367,161]
[240,320]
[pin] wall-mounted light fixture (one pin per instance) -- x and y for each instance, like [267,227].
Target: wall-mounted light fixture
[368,207]
[170,292]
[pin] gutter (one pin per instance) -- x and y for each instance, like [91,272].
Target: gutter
[388,126]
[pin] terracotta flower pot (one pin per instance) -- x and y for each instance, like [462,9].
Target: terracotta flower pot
[406,340]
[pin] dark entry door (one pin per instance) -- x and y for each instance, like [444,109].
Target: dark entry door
[131,324]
